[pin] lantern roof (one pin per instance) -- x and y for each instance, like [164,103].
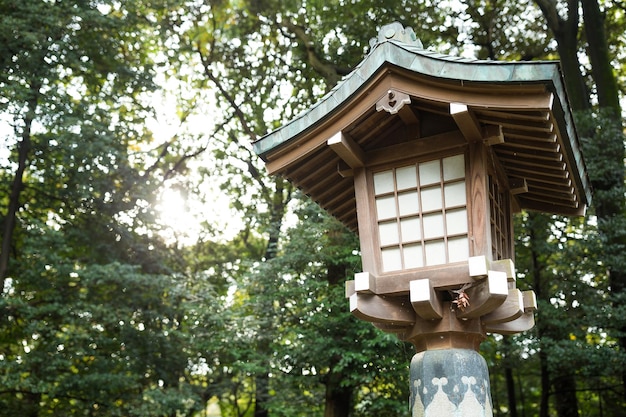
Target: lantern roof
[404,97]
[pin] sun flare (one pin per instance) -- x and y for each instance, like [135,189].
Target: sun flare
[176,217]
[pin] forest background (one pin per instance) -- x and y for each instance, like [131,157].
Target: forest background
[150,267]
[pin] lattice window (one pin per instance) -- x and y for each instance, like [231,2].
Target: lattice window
[500,222]
[421,211]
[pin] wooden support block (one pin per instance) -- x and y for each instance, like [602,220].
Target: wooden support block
[392,328]
[492,135]
[478,266]
[486,296]
[466,121]
[380,309]
[523,323]
[344,170]
[350,288]
[504,265]
[408,117]
[347,149]
[518,186]
[425,300]
[530,300]
[364,282]
[511,309]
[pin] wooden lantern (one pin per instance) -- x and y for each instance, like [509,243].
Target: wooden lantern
[427,157]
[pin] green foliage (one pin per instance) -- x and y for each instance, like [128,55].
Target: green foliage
[317,345]
[90,337]
[100,316]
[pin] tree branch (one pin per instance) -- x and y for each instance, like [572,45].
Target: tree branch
[23,151]
[329,71]
[206,65]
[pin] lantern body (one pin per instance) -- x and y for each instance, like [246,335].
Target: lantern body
[431,213]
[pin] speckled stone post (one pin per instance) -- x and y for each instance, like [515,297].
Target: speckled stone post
[450,382]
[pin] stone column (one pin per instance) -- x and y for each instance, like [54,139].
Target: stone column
[448,376]
[450,382]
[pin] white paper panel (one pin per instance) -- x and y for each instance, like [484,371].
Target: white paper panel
[413,257]
[408,203]
[406,177]
[458,249]
[429,172]
[383,182]
[411,229]
[456,222]
[454,167]
[435,252]
[454,194]
[388,233]
[386,207]
[431,199]
[433,226]
[391,259]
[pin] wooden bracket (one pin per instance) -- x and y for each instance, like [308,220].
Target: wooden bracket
[408,117]
[511,309]
[392,328]
[344,170]
[530,300]
[506,266]
[364,282]
[425,300]
[492,135]
[381,309]
[485,296]
[349,288]
[393,101]
[467,122]
[523,323]
[478,266]
[518,186]
[471,127]
[347,149]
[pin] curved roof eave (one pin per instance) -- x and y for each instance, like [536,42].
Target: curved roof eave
[413,58]
[419,61]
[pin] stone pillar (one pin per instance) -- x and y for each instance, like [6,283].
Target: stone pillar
[448,376]
[450,382]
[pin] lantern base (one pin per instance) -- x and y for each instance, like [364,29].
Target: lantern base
[450,382]
[450,332]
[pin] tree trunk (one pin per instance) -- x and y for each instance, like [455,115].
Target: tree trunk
[562,380]
[598,51]
[510,391]
[338,401]
[565,395]
[338,397]
[537,226]
[609,199]
[612,204]
[544,402]
[23,150]
[261,394]
[508,376]
[280,199]
[565,33]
